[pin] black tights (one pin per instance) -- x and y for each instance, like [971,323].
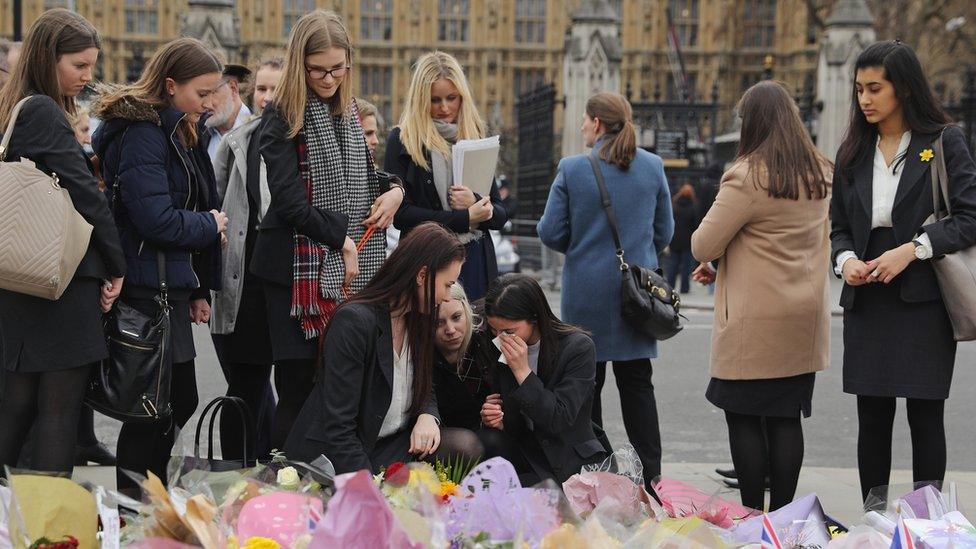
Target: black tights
[293,382]
[876,417]
[148,446]
[761,447]
[639,409]
[51,403]
[248,382]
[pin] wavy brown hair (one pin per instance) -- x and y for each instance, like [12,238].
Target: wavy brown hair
[55,33]
[429,248]
[615,113]
[181,60]
[775,144]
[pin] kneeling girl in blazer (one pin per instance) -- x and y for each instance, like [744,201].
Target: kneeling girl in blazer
[546,378]
[374,402]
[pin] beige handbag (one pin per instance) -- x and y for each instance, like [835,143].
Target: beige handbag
[42,237]
[956,272]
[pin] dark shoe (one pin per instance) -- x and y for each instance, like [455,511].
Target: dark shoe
[727,473]
[734,483]
[96,453]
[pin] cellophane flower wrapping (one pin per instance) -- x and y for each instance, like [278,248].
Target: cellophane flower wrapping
[492,501]
[48,506]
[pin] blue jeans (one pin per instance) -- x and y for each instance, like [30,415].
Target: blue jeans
[683,263]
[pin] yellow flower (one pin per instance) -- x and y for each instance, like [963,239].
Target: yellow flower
[926,155]
[261,543]
[448,488]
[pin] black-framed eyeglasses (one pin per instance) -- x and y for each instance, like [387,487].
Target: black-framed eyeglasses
[320,74]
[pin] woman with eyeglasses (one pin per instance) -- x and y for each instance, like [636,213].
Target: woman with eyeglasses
[325,196]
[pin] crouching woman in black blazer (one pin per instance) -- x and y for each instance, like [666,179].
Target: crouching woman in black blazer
[374,402]
[898,341]
[546,378]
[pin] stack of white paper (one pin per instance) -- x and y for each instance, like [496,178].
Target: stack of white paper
[474,163]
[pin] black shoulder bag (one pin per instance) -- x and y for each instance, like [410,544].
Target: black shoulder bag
[133,383]
[647,302]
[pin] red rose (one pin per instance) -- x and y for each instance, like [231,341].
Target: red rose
[397,474]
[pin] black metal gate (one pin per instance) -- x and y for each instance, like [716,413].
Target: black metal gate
[683,133]
[536,164]
[963,110]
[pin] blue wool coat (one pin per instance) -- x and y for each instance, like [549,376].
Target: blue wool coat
[575,224]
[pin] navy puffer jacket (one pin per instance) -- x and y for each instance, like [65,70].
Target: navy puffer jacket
[160,208]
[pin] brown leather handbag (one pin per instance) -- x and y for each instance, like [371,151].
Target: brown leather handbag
[42,237]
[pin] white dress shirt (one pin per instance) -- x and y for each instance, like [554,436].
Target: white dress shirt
[884,186]
[398,413]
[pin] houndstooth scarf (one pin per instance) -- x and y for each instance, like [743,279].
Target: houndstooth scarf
[339,176]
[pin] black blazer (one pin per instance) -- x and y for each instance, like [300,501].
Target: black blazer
[342,417]
[290,209]
[459,400]
[549,418]
[851,207]
[422,203]
[44,135]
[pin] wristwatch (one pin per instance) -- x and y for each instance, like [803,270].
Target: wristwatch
[919,250]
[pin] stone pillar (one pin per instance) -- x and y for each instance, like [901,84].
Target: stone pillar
[849,30]
[216,24]
[591,64]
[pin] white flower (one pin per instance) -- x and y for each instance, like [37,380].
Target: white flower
[288,478]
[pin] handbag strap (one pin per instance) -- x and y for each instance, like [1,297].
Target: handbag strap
[10,127]
[608,207]
[940,180]
[216,405]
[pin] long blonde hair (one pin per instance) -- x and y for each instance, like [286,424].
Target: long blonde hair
[55,33]
[315,32]
[417,131]
[458,294]
[181,60]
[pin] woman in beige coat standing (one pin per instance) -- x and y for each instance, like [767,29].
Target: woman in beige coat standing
[768,229]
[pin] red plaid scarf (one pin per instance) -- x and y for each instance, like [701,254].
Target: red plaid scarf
[307,303]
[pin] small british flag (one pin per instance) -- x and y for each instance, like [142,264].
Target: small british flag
[769,539]
[903,538]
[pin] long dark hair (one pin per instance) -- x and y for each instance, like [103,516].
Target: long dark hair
[922,112]
[616,114]
[775,143]
[55,33]
[428,246]
[517,297]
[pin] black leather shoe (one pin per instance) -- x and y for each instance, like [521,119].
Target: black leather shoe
[96,453]
[734,483]
[727,473]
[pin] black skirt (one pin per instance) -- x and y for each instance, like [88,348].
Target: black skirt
[40,335]
[893,348]
[287,339]
[781,397]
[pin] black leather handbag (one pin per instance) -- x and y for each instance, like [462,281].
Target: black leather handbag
[220,405]
[647,302]
[133,383]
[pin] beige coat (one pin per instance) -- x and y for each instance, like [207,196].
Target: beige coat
[772,311]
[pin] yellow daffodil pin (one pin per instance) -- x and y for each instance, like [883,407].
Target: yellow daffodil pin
[926,155]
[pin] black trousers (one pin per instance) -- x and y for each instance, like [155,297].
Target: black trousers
[252,384]
[293,380]
[639,409]
[148,446]
[875,419]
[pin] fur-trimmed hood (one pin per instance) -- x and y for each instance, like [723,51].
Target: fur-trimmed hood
[127,108]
